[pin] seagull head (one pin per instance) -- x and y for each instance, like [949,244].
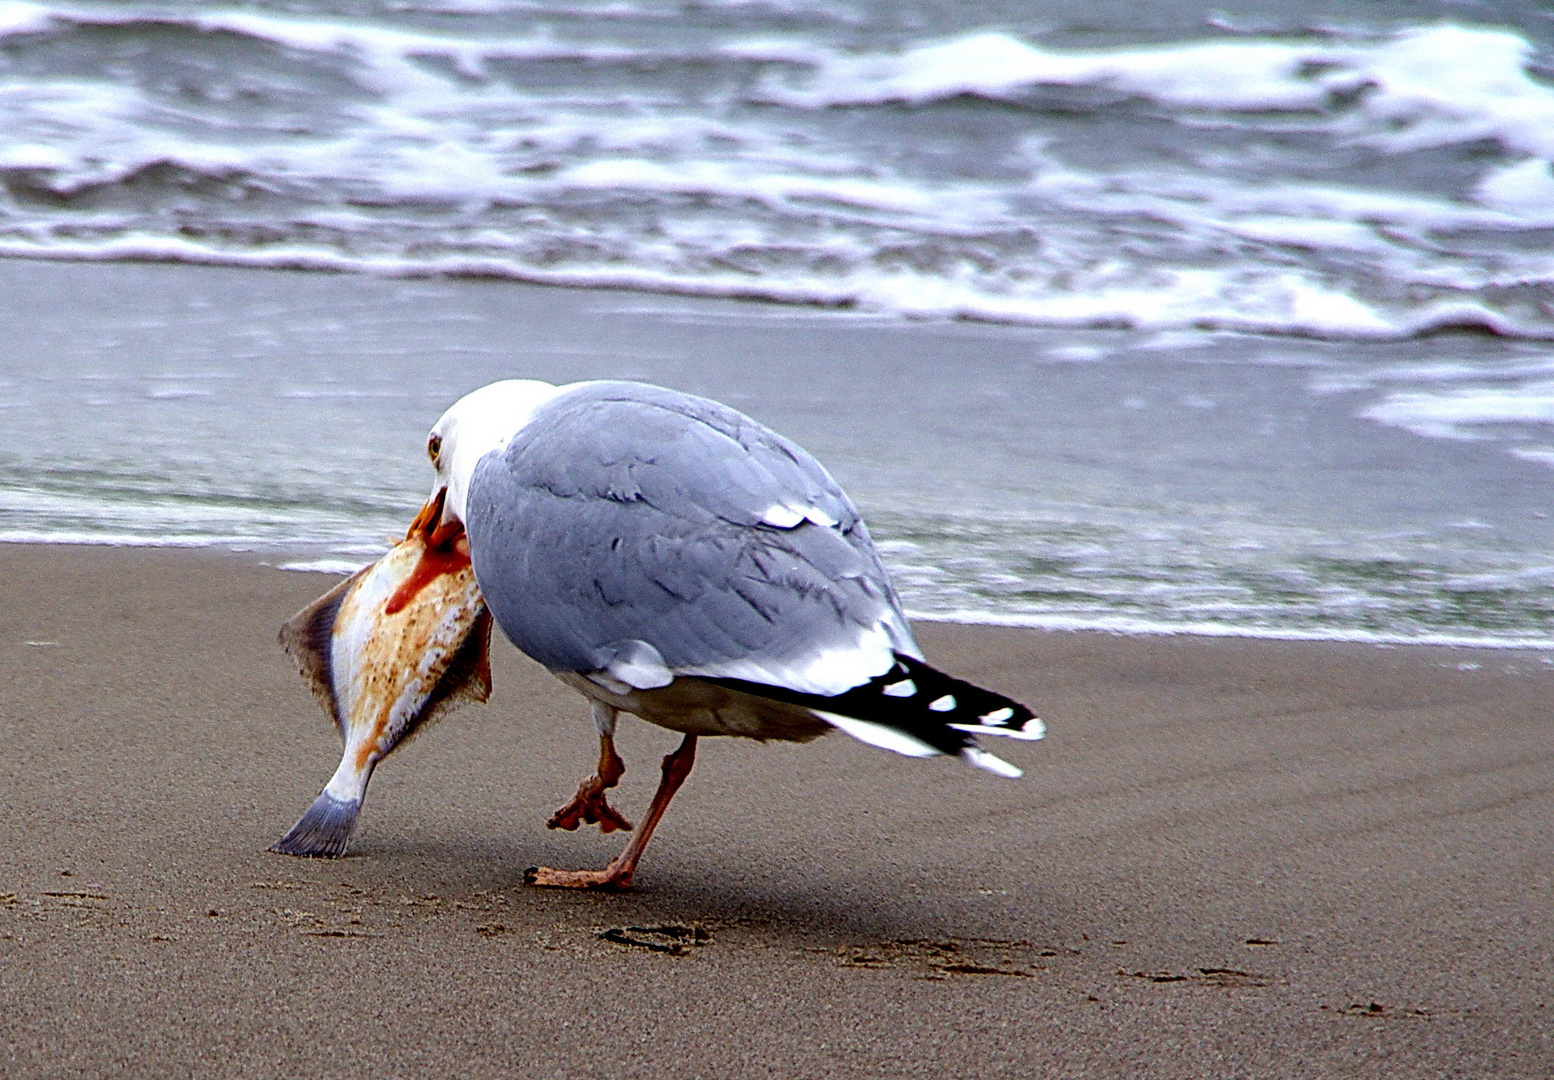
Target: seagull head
[478,423]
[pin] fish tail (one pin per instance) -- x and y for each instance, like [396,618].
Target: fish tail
[323,831]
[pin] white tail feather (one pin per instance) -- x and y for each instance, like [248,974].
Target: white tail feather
[878,735]
[984,760]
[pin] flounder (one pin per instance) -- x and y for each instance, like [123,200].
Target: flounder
[390,649]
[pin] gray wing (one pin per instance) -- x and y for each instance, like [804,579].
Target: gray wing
[647,533]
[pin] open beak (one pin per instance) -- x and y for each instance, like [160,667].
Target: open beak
[433,525]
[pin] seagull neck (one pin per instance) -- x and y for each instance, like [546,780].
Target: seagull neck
[484,422]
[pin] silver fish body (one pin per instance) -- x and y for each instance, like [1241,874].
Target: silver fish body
[387,651]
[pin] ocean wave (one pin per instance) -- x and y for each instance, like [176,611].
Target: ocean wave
[310,34]
[1278,304]
[1424,87]
[717,164]
[991,64]
[1427,86]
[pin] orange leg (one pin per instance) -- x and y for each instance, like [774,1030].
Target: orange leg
[589,804]
[677,766]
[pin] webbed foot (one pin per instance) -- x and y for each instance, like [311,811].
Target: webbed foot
[617,876]
[590,806]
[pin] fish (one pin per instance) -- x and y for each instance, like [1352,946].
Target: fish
[389,650]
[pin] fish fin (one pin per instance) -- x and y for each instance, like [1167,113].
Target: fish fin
[469,675]
[323,831]
[307,638]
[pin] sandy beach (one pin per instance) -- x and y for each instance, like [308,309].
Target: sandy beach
[1230,858]
[1190,363]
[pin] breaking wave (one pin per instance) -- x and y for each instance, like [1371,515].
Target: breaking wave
[1346,185]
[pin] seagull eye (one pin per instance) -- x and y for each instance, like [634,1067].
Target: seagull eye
[434,448]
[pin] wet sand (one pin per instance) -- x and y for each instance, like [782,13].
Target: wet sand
[1230,859]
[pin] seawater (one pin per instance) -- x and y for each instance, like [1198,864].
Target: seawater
[1148,166]
[1225,320]
[1116,479]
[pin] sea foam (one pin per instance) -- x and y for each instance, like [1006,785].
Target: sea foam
[784,167]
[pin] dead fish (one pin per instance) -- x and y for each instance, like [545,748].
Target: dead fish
[388,650]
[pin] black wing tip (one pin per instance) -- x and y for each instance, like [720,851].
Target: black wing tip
[965,706]
[938,710]
[323,831]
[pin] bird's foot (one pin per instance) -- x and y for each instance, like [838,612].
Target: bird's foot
[591,806]
[617,876]
[608,879]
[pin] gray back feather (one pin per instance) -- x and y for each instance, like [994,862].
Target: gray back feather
[629,512]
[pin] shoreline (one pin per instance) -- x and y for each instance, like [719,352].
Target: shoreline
[1293,859]
[1121,627]
[1121,481]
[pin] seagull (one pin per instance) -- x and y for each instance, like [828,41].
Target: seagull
[669,557]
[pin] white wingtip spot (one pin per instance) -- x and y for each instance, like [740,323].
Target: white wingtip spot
[983,760]
[786,517]
[997,716]
[904,688]
[943,704]
[878,735]
[783,517]
[1034,729]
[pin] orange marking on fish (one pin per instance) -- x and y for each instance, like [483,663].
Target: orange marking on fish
[369,748]
[364,755]
[447,552]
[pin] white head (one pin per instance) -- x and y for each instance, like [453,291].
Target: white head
[478,423]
